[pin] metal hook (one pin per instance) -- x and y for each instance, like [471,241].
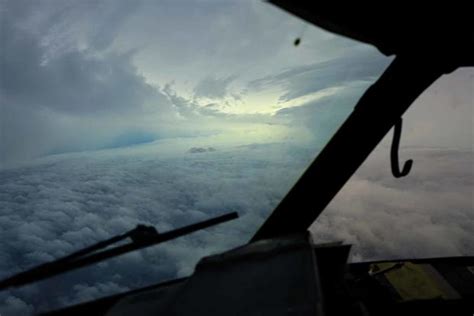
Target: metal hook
[397,132]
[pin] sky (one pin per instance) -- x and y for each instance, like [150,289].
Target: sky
[114,113]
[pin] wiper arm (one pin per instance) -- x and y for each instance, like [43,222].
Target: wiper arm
[142,236]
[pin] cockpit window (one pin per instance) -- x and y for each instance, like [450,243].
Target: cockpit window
[166,113]
[428,213]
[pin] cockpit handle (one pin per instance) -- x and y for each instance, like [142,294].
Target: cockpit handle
[397,132]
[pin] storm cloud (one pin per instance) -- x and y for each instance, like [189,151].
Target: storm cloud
[109,111]
[53,88]
[79,81]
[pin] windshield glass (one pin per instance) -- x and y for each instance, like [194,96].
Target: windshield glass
[428,213]
[161,113]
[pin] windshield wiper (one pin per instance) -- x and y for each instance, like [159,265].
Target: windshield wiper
[142,236]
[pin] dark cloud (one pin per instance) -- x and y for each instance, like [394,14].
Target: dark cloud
[75,82]
[55,99]
[15,306]
[112,17]
[69,80]
[84,292]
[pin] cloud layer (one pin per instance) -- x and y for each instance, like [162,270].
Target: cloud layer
[82,76]
[167,113]
[70,201]
[427,214]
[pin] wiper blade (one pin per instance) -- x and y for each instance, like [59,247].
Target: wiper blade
[142,236]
